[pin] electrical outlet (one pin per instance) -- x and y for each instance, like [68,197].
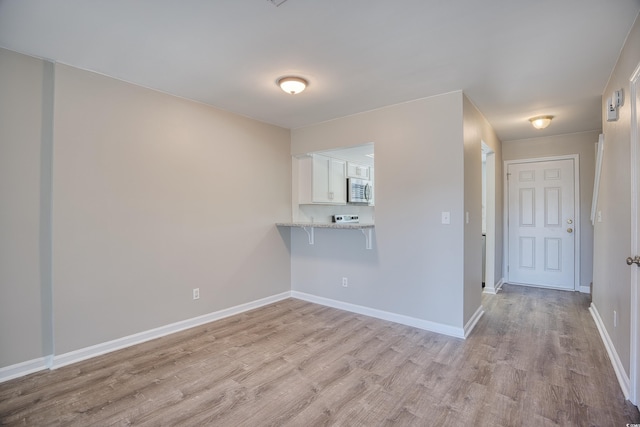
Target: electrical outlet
[345,282]
[446,217]
[196,293]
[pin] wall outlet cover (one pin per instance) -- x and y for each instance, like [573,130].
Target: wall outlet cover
[446,217]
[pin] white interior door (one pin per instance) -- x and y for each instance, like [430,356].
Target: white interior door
[542,223]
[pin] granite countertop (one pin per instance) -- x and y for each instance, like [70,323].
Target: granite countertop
[351,225]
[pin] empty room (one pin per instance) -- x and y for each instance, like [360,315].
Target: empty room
[286,212]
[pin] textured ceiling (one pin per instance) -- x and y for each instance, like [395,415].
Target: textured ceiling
[513,59]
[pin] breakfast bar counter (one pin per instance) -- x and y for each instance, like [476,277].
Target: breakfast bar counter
[308,227]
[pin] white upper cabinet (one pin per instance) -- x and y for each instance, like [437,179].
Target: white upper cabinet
[322,180]
[372,175]
[355,170]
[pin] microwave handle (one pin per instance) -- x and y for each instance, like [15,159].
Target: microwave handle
[367,192]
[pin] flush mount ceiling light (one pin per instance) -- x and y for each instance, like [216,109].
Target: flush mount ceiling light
[540,122]
[293,85]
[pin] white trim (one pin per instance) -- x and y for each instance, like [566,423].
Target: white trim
[542,286]
[23,368]
[120,343]
[596,181]
[384,315]
[49,361]
[585,289]
[489,290]
[490,217]
[57,361]
[473,321]
[494,289]
[576,210]
[635,233]
[623,379]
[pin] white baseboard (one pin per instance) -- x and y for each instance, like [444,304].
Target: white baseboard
[117,344]
[623,379]
[384,315]
[582,289]
[473,321]
[57,361]
[492,290]
[23,368]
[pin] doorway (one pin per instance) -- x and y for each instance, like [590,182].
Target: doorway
[542,201]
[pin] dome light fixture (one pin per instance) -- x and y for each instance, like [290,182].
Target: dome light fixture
[292,85]
[540,122]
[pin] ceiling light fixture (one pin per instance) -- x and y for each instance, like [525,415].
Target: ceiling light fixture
[293,85]
[541,122]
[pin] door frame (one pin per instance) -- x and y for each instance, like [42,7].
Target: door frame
[577,223]
[490,218]
[634,147]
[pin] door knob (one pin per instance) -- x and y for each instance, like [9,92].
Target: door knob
[635,260]
[569,230]
[569,221]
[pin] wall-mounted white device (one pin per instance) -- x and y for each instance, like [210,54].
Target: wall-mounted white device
[612,111]
[613,103]
[618,98]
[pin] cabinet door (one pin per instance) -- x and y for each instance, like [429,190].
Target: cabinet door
[354,170]
[372,178]
[320,182]
[329,180]
[337,181]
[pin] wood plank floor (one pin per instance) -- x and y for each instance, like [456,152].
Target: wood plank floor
[534,359]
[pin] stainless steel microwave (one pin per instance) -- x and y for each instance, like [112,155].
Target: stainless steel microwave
[359,191]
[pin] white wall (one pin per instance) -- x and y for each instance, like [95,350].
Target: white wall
[153,196]
[476,131]
[611,275]
[150,197]
[24,199]
[414,266]
[582,144]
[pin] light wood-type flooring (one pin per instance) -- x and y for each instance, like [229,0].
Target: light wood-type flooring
[534,359]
